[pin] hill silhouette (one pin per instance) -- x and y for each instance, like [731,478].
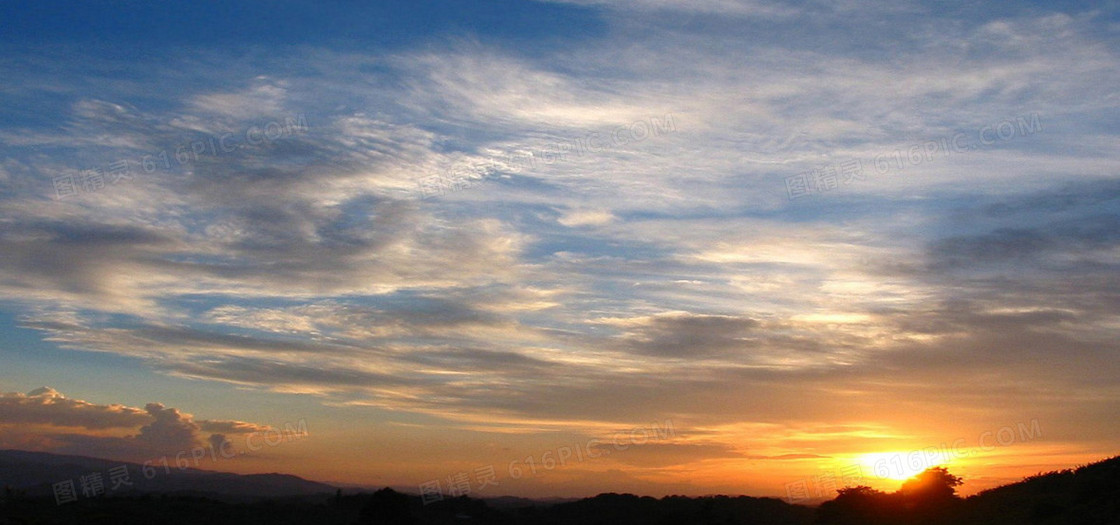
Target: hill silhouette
[1088,495]
[35,473]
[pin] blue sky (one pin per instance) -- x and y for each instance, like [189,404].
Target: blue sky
[803,233]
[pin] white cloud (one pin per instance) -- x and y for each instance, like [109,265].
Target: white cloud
[577,218]
[264,99]
[46,419]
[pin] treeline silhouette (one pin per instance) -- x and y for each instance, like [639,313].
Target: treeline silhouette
[1089,495]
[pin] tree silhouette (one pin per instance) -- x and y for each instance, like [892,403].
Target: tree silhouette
[387,507]
[929,497]
[860,505]
[932,484]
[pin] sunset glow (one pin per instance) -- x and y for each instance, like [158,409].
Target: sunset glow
[901,465]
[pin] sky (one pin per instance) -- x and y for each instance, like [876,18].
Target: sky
[558,248]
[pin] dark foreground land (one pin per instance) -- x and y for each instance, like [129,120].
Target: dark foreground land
[1087,495]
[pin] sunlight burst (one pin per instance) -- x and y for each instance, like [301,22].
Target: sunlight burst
[901,466]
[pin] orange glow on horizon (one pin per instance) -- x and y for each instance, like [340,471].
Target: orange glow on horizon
[900,465]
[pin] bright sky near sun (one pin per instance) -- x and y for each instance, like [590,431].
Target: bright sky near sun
[557,248]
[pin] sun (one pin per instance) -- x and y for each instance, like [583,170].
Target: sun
[901,466]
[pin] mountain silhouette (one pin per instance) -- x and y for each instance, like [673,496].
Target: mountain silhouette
[36,473]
